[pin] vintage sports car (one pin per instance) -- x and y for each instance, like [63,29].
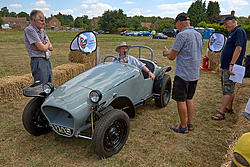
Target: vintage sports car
[101,99]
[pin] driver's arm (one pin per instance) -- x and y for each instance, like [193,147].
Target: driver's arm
[151,75]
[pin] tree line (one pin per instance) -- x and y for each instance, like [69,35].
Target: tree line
[115,20]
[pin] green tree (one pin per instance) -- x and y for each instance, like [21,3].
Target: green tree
[23,14]
[1,20]
[213,12]
[64,19]
[202,24]
[197,12]
[59,16]
[4,12]
[12,14]
[165,23]
[244,21]
[78,22]
[112,20]
[133,22]
[83,22]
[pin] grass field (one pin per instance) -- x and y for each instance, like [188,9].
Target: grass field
[150,143]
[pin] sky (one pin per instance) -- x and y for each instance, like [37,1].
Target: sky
[94,8]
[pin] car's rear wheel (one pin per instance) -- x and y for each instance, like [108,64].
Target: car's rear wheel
[165,92]
[111,133]
[33,119]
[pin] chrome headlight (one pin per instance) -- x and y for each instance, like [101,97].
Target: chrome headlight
[95,96]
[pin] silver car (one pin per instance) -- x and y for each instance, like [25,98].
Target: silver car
[101,99]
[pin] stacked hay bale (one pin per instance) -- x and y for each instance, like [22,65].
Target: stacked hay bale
[11,87]
[214,60]
[77,56]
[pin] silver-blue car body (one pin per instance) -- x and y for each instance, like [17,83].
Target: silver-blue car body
[101,99]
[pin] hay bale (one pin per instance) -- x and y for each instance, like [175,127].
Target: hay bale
[11,87]
[77,56]
[214,60]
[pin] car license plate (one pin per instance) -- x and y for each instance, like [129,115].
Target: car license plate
[63,130]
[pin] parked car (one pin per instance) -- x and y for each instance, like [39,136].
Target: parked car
[101,32]
[6,26]
[200,30]
[101,99]
[143,33]
[170,32]
[160,36]
[128,33]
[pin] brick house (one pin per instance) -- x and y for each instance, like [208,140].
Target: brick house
[94,22]
[15,22]
[223,16]
[146,24]
[53,23]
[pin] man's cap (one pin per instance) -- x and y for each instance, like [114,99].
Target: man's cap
[120,45]
[242,152]
[182,17]
[228,18]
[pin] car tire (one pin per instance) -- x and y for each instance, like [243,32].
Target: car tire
[33,119]
[111,133]
[165,92]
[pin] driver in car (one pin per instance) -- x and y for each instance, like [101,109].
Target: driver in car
[123,56]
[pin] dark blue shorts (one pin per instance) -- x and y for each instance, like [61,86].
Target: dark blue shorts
[183,90]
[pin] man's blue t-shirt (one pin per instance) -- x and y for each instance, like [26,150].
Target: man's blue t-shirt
[237,37]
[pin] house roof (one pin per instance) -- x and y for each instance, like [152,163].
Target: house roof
[146,24]
[15,19]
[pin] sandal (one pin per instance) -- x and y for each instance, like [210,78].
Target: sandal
[179,129]
[230,111]
[190,127]
[219,116]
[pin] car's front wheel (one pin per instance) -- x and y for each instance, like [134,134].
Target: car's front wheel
[111,133]
[165,92]
[33,119]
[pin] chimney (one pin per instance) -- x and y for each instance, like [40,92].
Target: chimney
[232,13]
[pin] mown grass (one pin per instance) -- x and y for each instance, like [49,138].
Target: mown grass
[150,142]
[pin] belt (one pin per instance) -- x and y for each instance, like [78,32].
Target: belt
[35,58]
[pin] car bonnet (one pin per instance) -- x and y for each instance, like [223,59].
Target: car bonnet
[103,77]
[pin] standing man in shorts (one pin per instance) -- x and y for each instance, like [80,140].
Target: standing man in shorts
[38,46]
[187,49]
[233,53]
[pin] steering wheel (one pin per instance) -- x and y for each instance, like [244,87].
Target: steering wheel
[104,60]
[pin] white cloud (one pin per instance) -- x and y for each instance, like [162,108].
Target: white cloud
[98,9]
[65,11]
[42,3]
[171,10]
[15,6]
[135,12]
[84,6]
[128,2]
[236,5]
[222,10]
[176,6]
[90,1]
